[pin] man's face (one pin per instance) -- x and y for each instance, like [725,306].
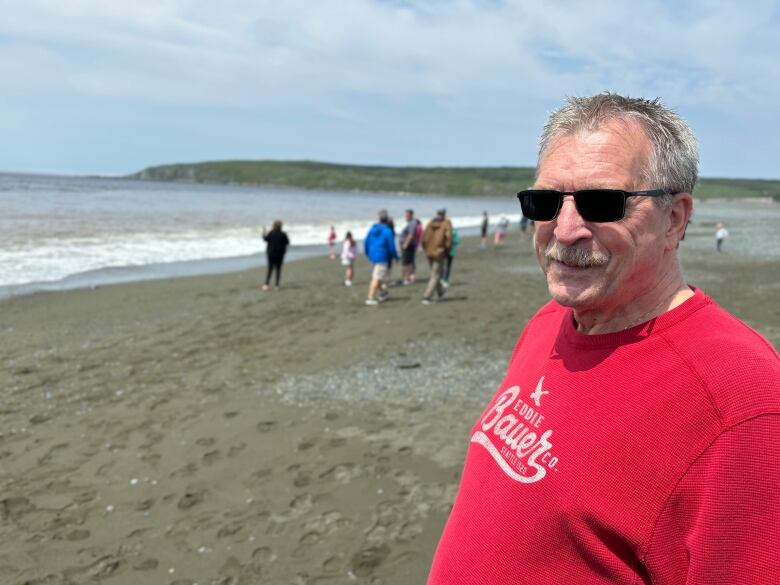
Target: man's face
[625,257]
[409,215]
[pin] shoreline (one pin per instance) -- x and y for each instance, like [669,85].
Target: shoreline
[198,430]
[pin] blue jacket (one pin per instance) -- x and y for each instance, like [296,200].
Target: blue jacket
[380,244]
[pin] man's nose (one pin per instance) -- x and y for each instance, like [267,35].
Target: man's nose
[569,225]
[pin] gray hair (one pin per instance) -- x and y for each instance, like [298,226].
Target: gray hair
[674,159]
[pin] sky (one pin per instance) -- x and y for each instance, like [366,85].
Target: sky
[111,87]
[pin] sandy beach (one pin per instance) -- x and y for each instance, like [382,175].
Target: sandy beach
[201,431]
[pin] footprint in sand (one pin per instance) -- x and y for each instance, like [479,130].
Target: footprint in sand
[366,561]
[230,529]
[305,543]
[266,426]
[205,441]
[236,449]
[409,531]
[191,498]
[260,476]
[276,526]
[232,568]
[145,505]
[310,538]
[189,469]
[84,497]
[148,564]
[301,504]
[102,568]
[260,558]
[343,473]
[333,565]
[15,507]
[151,458]
[306,444]
[211,457]
[302,479]
[77,535]
[263,555]
[39,419]
[49,455]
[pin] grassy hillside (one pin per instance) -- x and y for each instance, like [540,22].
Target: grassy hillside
[472,181]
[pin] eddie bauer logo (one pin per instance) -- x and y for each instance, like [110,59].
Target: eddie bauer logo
[522,453]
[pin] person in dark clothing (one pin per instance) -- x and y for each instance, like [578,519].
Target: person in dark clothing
[276,246]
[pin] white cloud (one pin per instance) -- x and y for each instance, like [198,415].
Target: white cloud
[293,53]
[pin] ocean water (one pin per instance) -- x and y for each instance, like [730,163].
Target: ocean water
[69,232]
[65,232]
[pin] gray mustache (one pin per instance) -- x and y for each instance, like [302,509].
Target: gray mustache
[574,256]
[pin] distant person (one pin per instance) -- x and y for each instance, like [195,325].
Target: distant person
[484,230]
[523,223]
[379,246]
[437,240]
[445,281]
[501,228]
[409,242]
[275,249]
[721,233]
[391,225]
[348,255]
[332,242]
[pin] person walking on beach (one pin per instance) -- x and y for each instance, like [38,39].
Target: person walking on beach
[379,246]
[635,437]
[523,223]
[437,240]
[483,230]
[721,233]
[348,255]
[445,279]
[501,228]
[275,249]
[332,242]
[409,247]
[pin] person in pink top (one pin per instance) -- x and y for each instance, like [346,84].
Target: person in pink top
[635,437]
[332,242]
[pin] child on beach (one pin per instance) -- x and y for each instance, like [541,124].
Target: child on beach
[503,225]
[348,255]
[332,243]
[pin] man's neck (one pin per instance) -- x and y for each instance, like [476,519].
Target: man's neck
[597,321]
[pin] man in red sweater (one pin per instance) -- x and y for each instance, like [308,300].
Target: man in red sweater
[635,438]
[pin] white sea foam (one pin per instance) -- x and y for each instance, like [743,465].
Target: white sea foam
[54,258]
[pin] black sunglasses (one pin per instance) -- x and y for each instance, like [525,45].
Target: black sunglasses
[597,205]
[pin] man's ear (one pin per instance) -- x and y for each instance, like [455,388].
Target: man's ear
[679,216]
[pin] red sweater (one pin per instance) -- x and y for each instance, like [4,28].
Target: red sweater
[651,455]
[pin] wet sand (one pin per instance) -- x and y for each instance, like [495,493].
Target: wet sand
[199,430]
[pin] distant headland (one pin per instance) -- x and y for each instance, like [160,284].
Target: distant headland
[466,181]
